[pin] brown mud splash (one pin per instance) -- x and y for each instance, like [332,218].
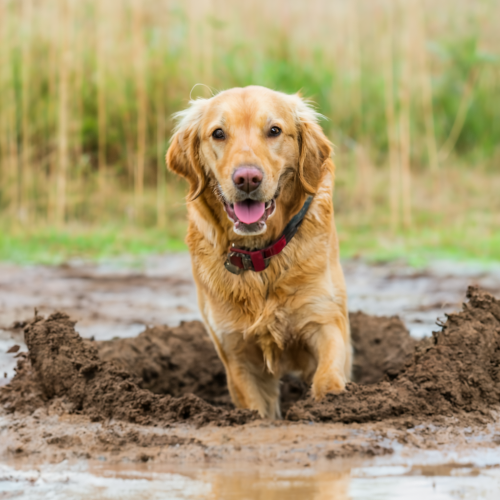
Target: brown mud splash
[168,375]
[174,361]
[382,346]
[454,373]
[64,366]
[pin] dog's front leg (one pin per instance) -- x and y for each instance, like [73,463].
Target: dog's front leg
[252,386]
[329,345]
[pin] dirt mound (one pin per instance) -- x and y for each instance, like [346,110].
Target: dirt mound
[66,367]
[382,346]
[116,378]
[456,371]
[174,361]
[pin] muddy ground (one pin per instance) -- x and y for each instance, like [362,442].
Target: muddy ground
[161,396]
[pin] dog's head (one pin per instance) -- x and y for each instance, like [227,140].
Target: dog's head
[259,150]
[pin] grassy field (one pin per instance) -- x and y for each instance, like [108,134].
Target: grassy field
[409,88]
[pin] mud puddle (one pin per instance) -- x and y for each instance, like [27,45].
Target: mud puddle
[452,481]
[109,298]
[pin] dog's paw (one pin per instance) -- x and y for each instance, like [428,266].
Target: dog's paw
[328,382]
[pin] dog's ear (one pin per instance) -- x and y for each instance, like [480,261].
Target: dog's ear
[314,147]
[183,155]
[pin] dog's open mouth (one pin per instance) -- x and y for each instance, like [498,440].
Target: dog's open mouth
[250,216]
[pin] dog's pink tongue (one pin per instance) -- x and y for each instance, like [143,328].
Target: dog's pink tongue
[249,211]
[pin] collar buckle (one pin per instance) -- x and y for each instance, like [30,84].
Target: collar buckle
[237,262]
[231,267]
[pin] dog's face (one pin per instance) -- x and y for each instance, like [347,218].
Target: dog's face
[255,147]
[249,144]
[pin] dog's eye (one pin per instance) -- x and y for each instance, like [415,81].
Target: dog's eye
[275,131]
[218,134]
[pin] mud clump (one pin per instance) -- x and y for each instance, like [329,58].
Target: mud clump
[173,361]
[382,347]
[66,367]
[455,372]
[24,393]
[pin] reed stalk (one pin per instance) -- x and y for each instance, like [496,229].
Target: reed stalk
[354,56]
[390,116]
[78,180]
[426,87]
[4,126]
[427,104]
[161,133]
[51,146]
[10,152]
[161,168]
[101,60]
[26,174]
[140,84]
[63,113]
[364,183]
[463,107]
[404,117]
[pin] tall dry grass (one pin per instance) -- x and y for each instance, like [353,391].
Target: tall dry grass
[87,88]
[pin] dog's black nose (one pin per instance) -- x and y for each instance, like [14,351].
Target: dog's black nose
[247,179]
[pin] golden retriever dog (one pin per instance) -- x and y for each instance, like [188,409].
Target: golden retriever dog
[263,242]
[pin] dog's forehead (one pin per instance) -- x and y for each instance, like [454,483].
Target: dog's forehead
[250,106]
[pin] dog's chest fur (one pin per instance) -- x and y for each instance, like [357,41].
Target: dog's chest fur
[275,309]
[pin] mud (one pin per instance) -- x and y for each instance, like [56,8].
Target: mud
[62,368]
[456,372]
[116,378]
[182,359]
[382,347]
[161,397]
[172,361]
[171,375]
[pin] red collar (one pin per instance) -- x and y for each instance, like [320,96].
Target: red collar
[239,259]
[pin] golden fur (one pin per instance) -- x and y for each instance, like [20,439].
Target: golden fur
[292,317]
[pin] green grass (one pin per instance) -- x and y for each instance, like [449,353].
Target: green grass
[418,248]
[56,246]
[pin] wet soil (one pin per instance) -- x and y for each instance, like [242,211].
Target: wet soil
[174,361]
[456,372]
[166,374]
[169,375]
[60,364]
[182,359]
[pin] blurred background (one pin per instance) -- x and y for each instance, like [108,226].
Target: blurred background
[409,88]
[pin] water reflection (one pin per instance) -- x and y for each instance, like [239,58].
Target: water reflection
[86,480]
[292,485]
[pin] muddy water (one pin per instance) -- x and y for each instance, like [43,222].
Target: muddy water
[117,298]
[96,481]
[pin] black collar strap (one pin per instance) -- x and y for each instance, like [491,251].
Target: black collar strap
[239,259]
